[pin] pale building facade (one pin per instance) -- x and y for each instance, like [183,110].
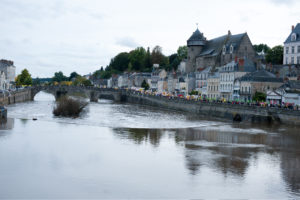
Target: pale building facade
[291,54]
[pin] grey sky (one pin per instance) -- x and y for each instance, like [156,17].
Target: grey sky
[81,35]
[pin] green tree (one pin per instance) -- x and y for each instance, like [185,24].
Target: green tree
[82,81]
[137,59]
[145,85]
[260,47]
[157,57]
[36,81]
[24,78]
[73,75]
[275,55]
[259,96]
[59,77]
[182,53]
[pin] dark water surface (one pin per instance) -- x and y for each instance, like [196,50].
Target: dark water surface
[129,151]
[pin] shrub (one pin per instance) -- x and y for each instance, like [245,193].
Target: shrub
[68,107]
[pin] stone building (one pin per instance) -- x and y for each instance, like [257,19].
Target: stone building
[201,80]
[258,81]
[157,75]
[216,52]
[291,53]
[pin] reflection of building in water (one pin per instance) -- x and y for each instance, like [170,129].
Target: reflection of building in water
[140,136]
[217,154]
[8,124]
[290,162]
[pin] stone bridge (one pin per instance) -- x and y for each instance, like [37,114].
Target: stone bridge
[93,93]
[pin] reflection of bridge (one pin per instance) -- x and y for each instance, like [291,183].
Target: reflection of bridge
[93,93]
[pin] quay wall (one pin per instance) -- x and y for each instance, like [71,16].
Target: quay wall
[15,97]
[244,113]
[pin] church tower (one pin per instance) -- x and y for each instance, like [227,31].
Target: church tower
[195,45]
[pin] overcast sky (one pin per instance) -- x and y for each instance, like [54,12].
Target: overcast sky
[46,36]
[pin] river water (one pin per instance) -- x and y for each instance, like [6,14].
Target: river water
[130,151]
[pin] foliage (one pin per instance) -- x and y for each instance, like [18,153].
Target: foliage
[182,52]
[145,85]
[194,92]
[68,107]
[73,75]
[259,96]
[82,81]
[36,81]
[260,47]
[275,55]
[24,78]
[59,77]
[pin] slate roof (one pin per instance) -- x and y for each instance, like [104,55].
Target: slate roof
[297,31]
[214,46]
[196,39]
[261,76]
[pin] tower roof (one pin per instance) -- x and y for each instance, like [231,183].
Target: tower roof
[197,39]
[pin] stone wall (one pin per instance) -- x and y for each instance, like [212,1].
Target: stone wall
[253,114]
[15,97]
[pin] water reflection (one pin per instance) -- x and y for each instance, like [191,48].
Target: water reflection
[140,136]
[8,124]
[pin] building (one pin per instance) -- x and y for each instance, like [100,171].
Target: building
[123,80]
[213,82]
[291,51]
[157,75]
[136,79]
[9,70]
[216,52]
[172,80]
[229,73]
[201,80]
[258,81]
[162,85]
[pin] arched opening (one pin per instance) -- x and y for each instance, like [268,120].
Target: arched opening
[43,96]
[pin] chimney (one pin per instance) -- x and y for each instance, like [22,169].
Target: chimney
[229,33]
[293,28]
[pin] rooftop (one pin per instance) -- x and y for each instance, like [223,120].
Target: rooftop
[295,31]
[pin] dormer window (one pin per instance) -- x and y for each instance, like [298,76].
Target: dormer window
[294,36]
[224,50]
[231,49]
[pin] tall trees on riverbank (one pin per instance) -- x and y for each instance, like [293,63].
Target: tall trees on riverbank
[24,78]
[141,60]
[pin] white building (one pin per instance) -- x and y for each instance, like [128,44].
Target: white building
[123,80]
[9,74]
[201,81]
[291,53]
[229,73]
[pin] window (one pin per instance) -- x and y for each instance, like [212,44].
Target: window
[298,49]
[292,60]
[294,36]
[286,61]
[231,49]
[287,50]
[298,60]
[293,49]
[224,50]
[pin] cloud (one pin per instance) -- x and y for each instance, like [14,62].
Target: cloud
[283,2]
[127,42]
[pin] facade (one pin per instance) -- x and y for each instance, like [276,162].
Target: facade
[136,79]
[190,82]
[157,75]
[213,82]
[201,80]
[229,73]
[216,52]
[291,54]
[123,80]
[162,85]
[172,80]
[258,81]
[8,78]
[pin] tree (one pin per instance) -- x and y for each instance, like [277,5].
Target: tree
[260,47]
[137,59]
[259,96]
[182,53]
[73,75]
[59,77]
[24,78]
[275,55]
[157,57]
[145,85]
[82,81]
[36,81]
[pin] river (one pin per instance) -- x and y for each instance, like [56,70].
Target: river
[130,151]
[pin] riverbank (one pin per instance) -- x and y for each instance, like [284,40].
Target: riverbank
[233,112]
